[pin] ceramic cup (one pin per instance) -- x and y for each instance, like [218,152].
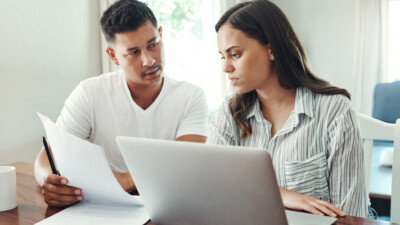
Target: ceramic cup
[8,188]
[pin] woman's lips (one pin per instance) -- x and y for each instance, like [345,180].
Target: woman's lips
[234,81]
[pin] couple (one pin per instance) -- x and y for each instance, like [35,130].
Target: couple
[307,125]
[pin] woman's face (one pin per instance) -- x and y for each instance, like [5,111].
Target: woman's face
[247,62]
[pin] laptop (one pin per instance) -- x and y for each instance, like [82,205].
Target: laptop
[196,183]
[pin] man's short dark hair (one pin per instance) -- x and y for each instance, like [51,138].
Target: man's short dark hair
[125,15]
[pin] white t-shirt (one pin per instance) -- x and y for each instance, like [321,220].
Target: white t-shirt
[101,108]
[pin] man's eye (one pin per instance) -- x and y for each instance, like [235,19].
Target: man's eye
[134,52]
[153,45]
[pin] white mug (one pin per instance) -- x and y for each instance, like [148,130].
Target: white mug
[8,188]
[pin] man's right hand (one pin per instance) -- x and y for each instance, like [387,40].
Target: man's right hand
[57,193]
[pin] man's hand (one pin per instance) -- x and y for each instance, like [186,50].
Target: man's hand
[126,181]
[57,193]
[296,201]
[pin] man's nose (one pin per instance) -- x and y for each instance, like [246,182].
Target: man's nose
[147,59]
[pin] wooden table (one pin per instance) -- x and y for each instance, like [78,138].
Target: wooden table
[32,208]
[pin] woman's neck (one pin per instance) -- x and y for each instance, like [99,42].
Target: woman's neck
[276,104]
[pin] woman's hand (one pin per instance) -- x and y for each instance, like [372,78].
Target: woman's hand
[296,201]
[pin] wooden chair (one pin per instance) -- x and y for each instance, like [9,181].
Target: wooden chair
[373,129]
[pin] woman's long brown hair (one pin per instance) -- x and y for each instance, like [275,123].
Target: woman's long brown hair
[265,22]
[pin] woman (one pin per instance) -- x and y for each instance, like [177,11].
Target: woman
[307,125]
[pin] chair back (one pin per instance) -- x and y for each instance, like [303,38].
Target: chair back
[387,102]
[373,129]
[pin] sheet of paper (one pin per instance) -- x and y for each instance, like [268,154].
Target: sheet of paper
[85,166]
[98,213]
[301,218]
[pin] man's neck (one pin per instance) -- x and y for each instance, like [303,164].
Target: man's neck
[144,96]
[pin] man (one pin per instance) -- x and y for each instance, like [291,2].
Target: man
[135,101]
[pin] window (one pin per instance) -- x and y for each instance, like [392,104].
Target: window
[190,44]
[393,40]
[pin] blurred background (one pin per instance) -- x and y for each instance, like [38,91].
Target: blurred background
[49,46]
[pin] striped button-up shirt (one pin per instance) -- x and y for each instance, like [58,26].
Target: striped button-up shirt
[318,152]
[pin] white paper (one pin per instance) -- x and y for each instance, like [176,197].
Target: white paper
[100,214]
[301,218]
[85,166]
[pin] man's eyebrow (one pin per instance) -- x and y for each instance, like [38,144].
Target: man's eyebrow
[151,40]
[134,48]
[131,49]
[230,48]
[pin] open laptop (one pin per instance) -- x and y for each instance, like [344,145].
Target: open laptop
[194,183]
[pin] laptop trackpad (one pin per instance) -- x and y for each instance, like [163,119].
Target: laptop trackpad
[300,218]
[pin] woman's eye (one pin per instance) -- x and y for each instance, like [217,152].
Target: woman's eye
[235,55]
[222,58]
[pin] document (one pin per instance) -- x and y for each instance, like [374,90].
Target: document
[302,218]
[85,165]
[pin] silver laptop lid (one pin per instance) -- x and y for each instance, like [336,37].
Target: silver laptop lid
[193,183]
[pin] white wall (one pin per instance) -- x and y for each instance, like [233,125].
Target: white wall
[327,31]
[47,47]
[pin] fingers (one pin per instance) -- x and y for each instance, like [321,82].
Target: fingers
[322,209]
[319,207]
[55,179]
[61,189]
[57,193]
[332,208]
[56,200]
[295,201]
[311,209]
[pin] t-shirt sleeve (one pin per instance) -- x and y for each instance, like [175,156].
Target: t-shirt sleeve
[195,119]
[76,114]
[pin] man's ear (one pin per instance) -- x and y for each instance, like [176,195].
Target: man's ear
[160,31]
[111,54]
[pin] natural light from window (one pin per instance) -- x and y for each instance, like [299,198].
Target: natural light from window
[394,41]
[190,44]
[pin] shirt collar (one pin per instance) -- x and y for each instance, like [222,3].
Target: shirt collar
[256,112]
[304,104]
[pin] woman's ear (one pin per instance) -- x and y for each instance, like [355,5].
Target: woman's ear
[271,55]
[269,52]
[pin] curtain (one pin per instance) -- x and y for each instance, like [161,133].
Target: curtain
[369,57]
[106,64]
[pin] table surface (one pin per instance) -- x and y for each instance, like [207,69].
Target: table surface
[380,185]
[32,208]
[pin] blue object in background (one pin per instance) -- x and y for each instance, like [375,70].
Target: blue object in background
[386,106]
[387,102]
[387,109]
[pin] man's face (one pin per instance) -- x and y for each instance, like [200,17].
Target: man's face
[140,54]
